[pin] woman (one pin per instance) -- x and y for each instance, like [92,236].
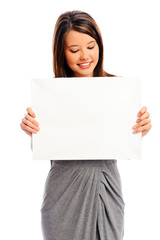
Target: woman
[82,198]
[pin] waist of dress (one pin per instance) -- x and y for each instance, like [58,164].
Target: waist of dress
[83,163]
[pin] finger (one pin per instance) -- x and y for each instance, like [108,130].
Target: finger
[142,110]
[28,129]
[31,119]
[143,122]
[144,116]
[144,133]
[30,124]
[143,128]
[30,112]
[30,134]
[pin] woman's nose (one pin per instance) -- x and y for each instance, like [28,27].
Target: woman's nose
[84,55]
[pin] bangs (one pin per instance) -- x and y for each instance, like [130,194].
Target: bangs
[86,29]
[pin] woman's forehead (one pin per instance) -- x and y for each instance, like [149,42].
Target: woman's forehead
[75,38]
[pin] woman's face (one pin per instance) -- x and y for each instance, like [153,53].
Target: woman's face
[82,53]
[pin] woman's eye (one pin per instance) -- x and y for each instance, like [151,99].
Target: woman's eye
[74,51]
[91,47]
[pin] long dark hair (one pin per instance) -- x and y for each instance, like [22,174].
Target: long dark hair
[81,22]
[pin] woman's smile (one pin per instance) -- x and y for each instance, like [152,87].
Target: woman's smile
[85,65]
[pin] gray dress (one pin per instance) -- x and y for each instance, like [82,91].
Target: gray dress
[83,201]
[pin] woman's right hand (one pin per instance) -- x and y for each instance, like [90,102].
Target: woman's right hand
[29,125]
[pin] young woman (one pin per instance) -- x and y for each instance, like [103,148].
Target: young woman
[82,198]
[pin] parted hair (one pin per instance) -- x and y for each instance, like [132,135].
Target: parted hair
[81,22]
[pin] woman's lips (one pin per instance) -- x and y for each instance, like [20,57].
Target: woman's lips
[84,65]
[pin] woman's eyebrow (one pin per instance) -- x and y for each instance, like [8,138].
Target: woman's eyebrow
[91,41]
[74,45]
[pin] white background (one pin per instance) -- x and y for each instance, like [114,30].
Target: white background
[131,38]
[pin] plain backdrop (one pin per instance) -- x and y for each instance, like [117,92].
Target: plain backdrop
[130,31]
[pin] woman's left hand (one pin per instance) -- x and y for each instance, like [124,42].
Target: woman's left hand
[143,122]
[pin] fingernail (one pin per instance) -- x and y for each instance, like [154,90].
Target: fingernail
[134,127]
[134,131]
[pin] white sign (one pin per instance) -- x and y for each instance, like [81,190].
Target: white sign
[86,118]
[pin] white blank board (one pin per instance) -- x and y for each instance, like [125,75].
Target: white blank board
[86,118]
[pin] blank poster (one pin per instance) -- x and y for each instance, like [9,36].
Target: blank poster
[86,118]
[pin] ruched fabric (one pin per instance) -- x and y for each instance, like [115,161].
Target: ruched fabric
[83,201]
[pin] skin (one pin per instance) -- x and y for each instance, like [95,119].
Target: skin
[81,48]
